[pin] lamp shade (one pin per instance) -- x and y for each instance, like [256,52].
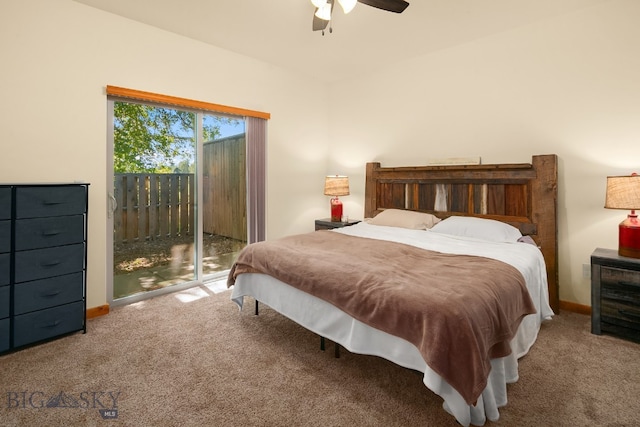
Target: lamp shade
[623,192]
[336,185]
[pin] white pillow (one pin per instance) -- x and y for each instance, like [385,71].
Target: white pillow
[405,219]
[478,228]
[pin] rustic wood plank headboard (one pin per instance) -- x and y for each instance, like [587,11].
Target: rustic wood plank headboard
[522,194]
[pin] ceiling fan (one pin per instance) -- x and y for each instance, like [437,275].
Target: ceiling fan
[324,8]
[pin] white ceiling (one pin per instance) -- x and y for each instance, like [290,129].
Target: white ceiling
[279,31]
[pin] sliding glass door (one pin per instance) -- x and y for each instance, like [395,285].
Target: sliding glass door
[178,203]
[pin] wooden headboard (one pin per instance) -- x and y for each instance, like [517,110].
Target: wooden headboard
[523,194]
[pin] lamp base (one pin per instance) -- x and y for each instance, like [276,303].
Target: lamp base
[629,237]
[336,209]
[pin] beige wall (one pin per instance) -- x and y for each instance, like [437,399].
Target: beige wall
[568,85]
[57,58]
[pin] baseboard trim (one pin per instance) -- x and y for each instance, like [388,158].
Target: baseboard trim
[100,310]
[575,307]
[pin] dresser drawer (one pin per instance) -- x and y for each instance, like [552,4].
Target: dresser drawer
[620,285]
[39,294]
[620,315]
[5,236]
[5,263]
[47,232]
[612,275]
[5,203]
[4,335]
[620,301]
[43,324]
[34,202]
[50,262]
[5,294]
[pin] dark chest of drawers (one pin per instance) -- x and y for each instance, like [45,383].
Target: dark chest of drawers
[615,294]
[43,254]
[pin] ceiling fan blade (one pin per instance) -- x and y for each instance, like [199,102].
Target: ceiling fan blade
[397,6]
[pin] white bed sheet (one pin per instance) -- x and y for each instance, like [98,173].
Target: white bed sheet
[326,320]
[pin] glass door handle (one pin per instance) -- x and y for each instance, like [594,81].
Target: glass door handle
[113,205]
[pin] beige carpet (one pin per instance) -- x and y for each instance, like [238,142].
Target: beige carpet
[192,359]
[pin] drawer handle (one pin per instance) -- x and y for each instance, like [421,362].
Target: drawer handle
[51,202]
[53,324]
[50,294]
[629,314]
[623,283]
[50,233]
[51,263]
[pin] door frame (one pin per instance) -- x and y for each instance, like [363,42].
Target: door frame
[256,145]
[198,241]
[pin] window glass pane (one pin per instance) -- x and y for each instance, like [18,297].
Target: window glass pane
[224,192]
[154,188]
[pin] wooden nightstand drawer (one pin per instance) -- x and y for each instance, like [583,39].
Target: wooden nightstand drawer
[620,285]
[617,276]
[620,299]
[615,294]
[620,314]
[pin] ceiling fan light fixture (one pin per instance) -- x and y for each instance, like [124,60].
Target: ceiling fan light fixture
[347,5]
[324,12]
[319,3]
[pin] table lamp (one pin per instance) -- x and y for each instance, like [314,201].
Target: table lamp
[623,192]
[336,185]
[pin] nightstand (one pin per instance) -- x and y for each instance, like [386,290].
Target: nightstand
[615,294]
[327,224]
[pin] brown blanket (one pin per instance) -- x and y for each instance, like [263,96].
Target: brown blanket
[460,311]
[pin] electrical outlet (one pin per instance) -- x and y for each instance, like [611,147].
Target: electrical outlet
[586,271]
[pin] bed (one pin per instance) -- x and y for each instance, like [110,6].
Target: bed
[468,342]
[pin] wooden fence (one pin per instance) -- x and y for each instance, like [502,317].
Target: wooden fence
[151,206]
[224,189]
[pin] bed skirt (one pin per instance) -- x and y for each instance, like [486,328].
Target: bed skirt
[328,321]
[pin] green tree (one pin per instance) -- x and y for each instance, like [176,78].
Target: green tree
[151,139]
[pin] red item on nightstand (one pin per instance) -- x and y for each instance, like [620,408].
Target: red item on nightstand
[336,210]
